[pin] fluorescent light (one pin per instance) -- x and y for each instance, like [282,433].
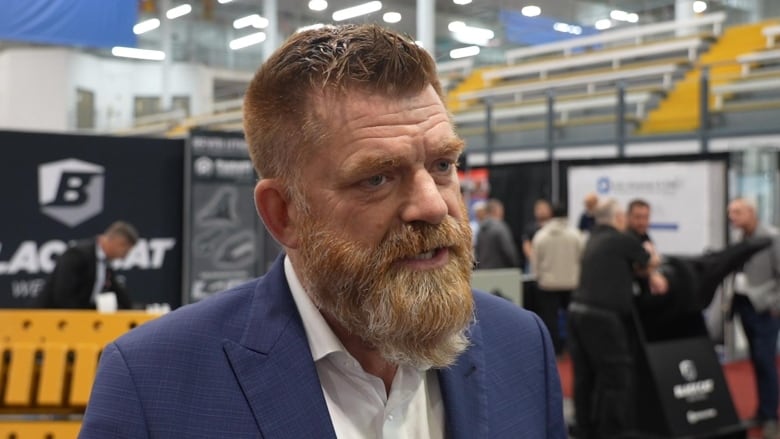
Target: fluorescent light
[617,14]
[567,28]
[464,52]
[131,52]
[699,6]
[253,20]
[146,26]
[310,27]
[604,23]
[456,26]
[222,2]
[178,11]
[470,34]
[391,17]
[461,2]
[318,5]
[357,11]
[531,11]
[246,41]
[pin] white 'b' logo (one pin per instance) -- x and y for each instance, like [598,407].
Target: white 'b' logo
[688,370]
[71,190]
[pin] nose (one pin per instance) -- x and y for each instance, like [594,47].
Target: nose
[425,200]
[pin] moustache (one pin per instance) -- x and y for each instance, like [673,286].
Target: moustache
[410,240]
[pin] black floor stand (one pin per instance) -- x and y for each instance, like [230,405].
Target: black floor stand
[681,390]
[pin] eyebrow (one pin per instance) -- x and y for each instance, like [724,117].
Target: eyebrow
[451,145]
[383,162]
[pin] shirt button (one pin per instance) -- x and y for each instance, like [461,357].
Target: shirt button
[390,418]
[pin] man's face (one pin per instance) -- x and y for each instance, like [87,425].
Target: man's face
[639,219]
[542,212]
[385,244]
[116,247]
[741,215]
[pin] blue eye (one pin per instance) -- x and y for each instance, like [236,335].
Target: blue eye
[443,165]
[376,180]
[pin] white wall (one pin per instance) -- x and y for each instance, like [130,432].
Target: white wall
[38,88]
[34,89]
[117,82]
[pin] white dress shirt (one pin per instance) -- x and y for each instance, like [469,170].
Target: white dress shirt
[358,404]
[100,273]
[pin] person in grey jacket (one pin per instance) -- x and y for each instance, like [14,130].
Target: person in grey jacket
[757,302]
[495,245]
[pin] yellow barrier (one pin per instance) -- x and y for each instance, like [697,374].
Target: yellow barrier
[49,360]
[40,430]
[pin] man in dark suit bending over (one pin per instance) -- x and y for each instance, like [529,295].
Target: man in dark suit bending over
[84,270]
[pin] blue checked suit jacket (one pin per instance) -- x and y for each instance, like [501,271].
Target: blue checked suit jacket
[238,365]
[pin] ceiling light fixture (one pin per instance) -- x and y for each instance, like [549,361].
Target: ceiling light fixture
[464,52]
[146,26]
[531,11]
[248,40]
[567,28]
[470,34]
[391,17]
[357,11]
[318,5]
[699,6]
[619,15]
[253,20]
[603,24]
[461,2]
[132,52]
[222,2]
[178,11]
[310,27]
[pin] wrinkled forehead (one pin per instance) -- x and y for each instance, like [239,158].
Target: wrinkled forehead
[332,110]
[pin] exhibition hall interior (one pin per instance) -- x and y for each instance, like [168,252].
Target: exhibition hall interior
[122,124]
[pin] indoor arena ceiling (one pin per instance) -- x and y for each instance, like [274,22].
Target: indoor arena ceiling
[206,31]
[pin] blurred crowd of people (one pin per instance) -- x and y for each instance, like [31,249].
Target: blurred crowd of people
[594,275]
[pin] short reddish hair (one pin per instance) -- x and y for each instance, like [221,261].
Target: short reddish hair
[284,111]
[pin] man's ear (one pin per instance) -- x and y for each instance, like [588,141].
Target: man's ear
[274,207]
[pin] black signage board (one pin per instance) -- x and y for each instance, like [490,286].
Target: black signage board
[683,393]
[60,188]
[225,242]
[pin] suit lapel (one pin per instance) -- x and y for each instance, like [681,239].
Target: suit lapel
[274,367]
[464,392]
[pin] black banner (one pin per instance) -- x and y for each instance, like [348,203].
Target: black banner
[60,188]
[226,243]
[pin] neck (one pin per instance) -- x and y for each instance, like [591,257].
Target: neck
[750,228]
[368,357]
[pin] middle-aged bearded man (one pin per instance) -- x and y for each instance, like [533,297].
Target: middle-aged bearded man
[367,326]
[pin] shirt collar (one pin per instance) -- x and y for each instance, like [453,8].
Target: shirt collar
[101,255]
[322,340]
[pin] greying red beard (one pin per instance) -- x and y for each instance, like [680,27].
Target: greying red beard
[412,317]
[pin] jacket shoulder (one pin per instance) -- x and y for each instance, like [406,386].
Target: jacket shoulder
[219,317]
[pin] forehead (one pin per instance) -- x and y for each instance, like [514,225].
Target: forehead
[118,239]
[738,206]
[338,107]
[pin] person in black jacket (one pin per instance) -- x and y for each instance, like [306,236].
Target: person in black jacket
[84,270]
[601,344]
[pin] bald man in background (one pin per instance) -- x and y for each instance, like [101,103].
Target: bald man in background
[757,302]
